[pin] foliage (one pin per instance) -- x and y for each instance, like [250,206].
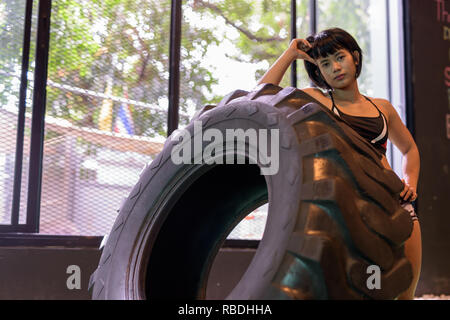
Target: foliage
[127,42]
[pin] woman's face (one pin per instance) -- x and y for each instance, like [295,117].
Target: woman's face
[340,63]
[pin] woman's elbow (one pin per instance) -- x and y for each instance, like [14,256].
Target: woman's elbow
[413,151]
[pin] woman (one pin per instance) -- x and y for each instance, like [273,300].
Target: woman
[333,61]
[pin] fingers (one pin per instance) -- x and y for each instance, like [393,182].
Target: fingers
[402,194]
[405,188]
[408,193]
[312,61]
[303,45]
[413,195]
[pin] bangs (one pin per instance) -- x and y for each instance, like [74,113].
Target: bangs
[326,45]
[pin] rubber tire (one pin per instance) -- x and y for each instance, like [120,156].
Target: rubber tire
[333,212]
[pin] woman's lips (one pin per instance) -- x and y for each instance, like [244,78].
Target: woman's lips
[340,77]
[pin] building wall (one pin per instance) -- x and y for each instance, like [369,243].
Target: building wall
[41,273]
[28,273]
[430,107]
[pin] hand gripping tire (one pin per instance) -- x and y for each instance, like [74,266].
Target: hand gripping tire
[333,212]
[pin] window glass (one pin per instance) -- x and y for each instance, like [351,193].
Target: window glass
[12,23]
[229,45]
[303,31]
[353,16]
[106,113]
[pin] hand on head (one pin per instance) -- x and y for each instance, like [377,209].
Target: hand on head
[301,46]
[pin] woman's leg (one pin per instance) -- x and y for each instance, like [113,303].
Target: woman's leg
[413,252]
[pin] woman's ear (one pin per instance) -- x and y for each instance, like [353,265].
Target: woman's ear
[356,56]
[319,74]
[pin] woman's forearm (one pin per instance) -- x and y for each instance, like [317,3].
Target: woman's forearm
[411,167]
[276,72]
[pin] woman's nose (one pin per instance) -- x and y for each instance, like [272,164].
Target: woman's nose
[336,66]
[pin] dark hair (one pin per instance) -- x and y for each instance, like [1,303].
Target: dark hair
[328,42]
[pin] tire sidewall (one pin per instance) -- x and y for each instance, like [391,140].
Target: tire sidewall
[140,217]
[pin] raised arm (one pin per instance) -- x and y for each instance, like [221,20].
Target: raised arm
[276,72]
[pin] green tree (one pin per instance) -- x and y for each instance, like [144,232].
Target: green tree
[127,42]
[12,14]
[263,26]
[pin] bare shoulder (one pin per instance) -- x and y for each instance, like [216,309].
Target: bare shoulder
[319,95]
[385,106]
[383,102]
[314,92]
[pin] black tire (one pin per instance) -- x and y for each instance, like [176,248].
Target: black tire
[333,212]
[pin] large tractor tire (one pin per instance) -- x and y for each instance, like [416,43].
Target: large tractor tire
[333,218]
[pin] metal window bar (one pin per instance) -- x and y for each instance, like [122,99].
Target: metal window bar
[312,21]
[21,117]
[37,121]
[389,68]
[17,185]
[409,85]
[313,16]
[293,36]
[174,68]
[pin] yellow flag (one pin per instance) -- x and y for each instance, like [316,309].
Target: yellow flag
[105,117]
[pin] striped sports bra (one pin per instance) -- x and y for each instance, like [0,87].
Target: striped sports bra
[373,129]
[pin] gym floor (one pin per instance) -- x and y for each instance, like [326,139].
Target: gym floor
[432,297]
